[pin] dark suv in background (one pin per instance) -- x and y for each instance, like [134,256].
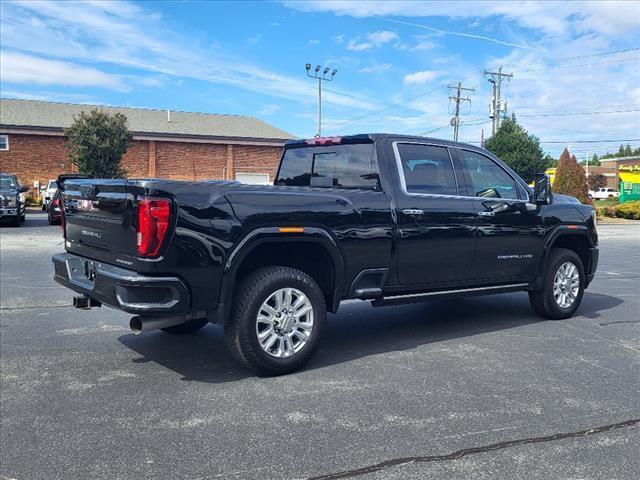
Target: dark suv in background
[12,208]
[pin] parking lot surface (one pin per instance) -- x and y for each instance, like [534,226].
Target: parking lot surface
[475,388]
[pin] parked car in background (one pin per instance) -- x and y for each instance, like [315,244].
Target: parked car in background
[48,192]
[54,212]
[604,193]
[12,205]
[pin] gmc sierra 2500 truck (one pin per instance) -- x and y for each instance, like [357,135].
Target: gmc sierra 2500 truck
[386,218]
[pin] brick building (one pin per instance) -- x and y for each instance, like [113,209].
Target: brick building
[167,144]
[610,168]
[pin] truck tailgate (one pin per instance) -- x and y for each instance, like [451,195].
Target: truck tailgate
[99,217]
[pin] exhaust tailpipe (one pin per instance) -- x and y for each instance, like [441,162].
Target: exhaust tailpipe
[140,325]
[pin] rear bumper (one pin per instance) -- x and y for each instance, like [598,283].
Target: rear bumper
[594,255]
[120,288]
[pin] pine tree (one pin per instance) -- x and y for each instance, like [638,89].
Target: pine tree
[627,151]
[521,151]
[570,178]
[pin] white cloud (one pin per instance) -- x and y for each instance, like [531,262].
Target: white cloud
[376,68]
[19,68]
[357,46]
[110,33]
[420,78]
[372,40]
[424,45]
[269,109]
[382,36]
[557,17]
[313,41]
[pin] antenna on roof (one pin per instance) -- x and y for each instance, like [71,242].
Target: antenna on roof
[168,116]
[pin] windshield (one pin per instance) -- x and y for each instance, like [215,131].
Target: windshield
[52,184]
[7,181]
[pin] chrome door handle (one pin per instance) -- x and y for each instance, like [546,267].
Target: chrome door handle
[486,214]
[413,211]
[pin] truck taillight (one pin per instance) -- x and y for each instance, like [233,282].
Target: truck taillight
[153,223]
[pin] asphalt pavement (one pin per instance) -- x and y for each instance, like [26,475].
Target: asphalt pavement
[475,388]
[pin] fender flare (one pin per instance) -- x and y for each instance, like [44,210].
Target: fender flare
[263,235]
[560,230]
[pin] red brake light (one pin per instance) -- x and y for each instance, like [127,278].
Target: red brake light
[153,224]
[55,202]
[323,141]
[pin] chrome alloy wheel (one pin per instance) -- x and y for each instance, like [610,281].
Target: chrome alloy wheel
[566,285]
[284,322]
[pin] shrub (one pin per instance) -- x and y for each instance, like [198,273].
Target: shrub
[630,210]
[97,141]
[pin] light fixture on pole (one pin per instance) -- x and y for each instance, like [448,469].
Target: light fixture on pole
[324,77]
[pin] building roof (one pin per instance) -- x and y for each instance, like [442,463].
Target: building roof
[49,115]
[620,159]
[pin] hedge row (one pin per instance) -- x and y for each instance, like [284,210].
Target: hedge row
[630,210]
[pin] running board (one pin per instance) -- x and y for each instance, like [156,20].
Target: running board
[443,294]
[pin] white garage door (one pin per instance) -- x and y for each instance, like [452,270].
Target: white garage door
[253,178]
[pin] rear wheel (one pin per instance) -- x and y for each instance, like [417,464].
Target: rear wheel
[278,319]
[189,327]
[562,286]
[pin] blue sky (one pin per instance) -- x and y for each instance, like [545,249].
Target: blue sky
[576,65]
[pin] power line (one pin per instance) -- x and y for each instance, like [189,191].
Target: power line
[577,57]
[566,114]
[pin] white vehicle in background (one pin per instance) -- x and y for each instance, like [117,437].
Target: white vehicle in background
[48,192]
[604,193]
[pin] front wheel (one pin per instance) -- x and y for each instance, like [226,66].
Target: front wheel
[278,318]
[562,286]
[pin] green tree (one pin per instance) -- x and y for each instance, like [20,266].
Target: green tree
[570,178]
[596,181]
[621,151]
[627,150]
[97,141]
[595,161]
[518,149]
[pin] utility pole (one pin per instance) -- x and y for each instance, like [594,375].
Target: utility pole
[455,121]
[496,103]
[321,78]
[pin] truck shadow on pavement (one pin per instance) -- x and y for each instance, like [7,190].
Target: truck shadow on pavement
[358,331]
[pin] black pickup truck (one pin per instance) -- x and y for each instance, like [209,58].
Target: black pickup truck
[386,218]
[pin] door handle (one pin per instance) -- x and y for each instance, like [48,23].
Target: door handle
[486,214]
[413,211]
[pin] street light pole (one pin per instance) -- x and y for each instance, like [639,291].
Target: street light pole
[321,77]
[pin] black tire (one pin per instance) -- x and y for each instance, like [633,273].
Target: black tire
[23,217]
[240,332]
[543,301]
[44,207]
[186,328]
[16,221]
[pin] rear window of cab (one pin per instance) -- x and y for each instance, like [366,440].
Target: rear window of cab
[329,166]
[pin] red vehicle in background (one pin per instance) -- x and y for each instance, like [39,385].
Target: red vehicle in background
[54,210]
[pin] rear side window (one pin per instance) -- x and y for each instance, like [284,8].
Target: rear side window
[488,179]
[331,166]
[427,169]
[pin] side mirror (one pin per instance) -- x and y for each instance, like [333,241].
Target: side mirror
[23,189]
[542,194]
